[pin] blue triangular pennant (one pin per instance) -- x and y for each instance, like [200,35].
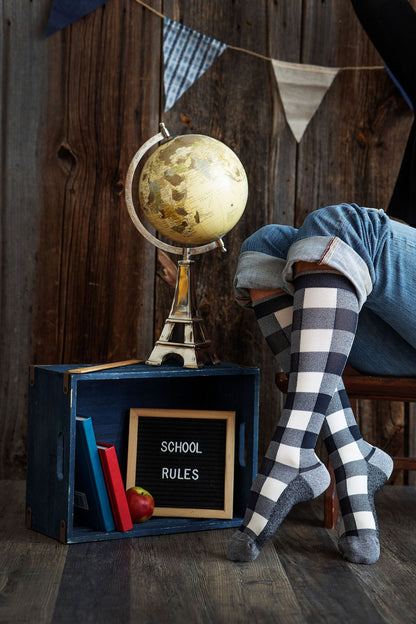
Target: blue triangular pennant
[187,55]
[65,12]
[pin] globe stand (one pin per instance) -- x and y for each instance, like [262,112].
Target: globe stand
[183,333]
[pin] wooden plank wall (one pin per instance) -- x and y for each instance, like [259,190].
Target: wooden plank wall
[78,283]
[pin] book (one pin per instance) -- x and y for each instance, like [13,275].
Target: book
[115,486]
[91,500]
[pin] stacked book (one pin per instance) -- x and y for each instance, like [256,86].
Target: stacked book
[100,500]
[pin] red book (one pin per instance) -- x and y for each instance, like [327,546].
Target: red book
[115,486]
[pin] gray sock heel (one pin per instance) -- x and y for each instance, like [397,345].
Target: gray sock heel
[384,463]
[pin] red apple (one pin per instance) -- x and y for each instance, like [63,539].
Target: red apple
[141,504]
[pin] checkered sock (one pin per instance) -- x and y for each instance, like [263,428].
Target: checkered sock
[360,470]
[325,311]
[274,316]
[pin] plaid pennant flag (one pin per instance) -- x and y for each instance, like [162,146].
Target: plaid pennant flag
[65,12]
[187,55]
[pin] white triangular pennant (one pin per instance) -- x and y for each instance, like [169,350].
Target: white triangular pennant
[187,55]
[302,89]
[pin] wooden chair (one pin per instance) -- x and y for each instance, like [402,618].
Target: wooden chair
[365,387]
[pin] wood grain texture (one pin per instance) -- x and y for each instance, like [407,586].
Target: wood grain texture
[23,100]
[91,283]
[78,283]
[299,577]
[31,564]
[361,124]
[95,584]
[201,585]
[396,566]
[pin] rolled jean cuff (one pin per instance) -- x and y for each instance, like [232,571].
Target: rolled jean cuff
[330,251]
[257,270]
[265,272]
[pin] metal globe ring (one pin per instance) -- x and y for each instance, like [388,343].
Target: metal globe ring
[192,251]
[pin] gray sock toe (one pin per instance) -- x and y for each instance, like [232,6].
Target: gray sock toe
[360,549]
[304,487]
[241,548]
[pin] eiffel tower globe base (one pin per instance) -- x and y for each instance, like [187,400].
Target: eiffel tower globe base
[183,333]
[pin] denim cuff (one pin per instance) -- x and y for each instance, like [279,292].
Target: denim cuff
[330,251]
[257,270]
[263,271]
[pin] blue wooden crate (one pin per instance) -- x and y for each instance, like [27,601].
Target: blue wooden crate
[56,396]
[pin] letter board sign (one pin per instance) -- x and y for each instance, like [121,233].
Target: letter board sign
[185,459]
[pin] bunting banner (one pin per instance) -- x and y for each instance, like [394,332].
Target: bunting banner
[65,12]
[187,54]
[302,88]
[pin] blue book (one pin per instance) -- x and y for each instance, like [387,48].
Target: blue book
[91,502]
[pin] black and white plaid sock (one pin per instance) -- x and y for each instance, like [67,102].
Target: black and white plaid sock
[325,312]
[274,316]
[360,471]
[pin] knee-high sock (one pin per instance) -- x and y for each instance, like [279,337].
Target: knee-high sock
[274,316]
[360,470]
[325,312]
[366,467]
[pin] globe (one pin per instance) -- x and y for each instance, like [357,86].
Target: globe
[193,189]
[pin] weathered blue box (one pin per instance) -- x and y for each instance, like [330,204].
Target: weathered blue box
[57,395]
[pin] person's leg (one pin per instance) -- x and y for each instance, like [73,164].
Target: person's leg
[258,285]
[274,311]
[325,311]
[360,471]
[376,253]
[261,262]
[363,231]
[380,350]
[360,468]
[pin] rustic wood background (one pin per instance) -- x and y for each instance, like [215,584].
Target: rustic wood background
[78,283]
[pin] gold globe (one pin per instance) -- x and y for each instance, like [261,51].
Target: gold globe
[193,189]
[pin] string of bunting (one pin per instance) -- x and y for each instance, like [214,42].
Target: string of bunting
[187,54]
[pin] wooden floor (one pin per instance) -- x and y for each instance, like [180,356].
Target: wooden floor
[185,578]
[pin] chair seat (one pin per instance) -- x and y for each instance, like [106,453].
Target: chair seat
[360,386]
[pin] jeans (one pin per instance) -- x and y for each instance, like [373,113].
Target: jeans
[377,254]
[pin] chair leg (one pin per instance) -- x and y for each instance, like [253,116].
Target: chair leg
[330,502]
